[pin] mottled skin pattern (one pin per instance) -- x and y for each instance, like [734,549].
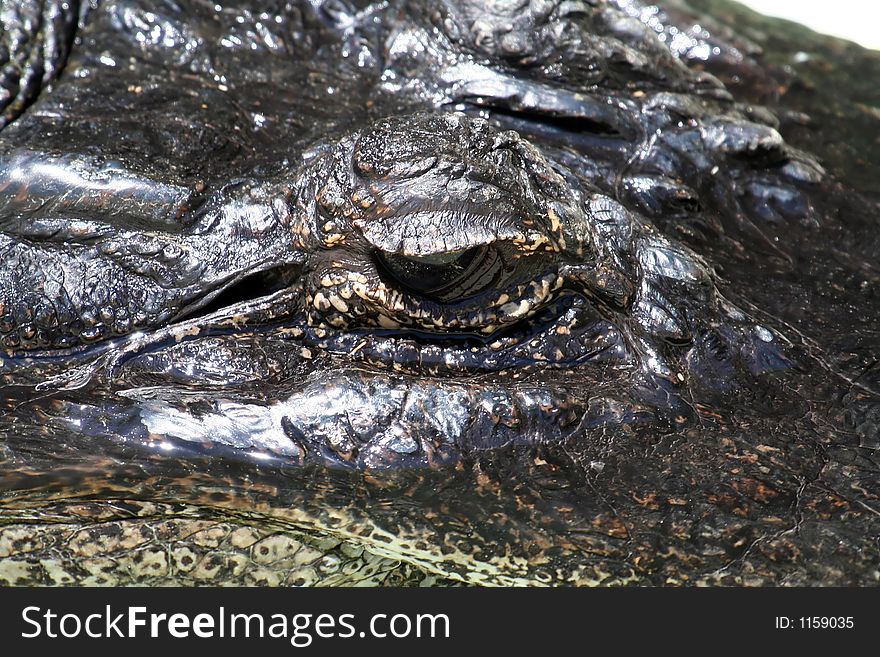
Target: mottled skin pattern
[397,293]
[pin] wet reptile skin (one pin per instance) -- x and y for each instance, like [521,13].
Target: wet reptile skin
[396,293]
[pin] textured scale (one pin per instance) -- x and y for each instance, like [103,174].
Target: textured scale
[494,293]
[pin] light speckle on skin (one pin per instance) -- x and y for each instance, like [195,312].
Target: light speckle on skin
[554,220]
[386,322]
[516,309]
[320,302]
[339,304]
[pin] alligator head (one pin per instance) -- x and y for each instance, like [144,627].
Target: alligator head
[431,286]
[419,246]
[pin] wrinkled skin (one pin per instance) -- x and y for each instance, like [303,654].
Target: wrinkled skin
[486,292]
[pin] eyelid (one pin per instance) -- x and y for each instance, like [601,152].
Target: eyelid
[440,258]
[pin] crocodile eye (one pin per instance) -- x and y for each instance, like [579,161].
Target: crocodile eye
[445,276]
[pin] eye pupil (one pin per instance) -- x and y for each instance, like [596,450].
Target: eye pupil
[442,276]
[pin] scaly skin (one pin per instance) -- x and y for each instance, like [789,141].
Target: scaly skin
[35,41]
[461,285]
[387,193]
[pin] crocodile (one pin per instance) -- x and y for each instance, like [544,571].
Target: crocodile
[496,293]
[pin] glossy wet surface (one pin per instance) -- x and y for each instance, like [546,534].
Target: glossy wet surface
[588,447]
